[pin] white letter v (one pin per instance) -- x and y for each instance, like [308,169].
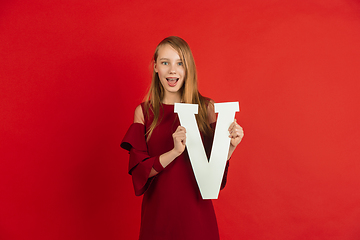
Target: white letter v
[208,174]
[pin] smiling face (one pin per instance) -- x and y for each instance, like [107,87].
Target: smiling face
[170,70]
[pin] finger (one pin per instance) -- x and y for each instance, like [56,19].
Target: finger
[240,132]
[237,125]
[181,138]
[231,126]
[233,135]
[183,134]
[180,135]
[237,133]
[181,128]
[234,129]
[239,128]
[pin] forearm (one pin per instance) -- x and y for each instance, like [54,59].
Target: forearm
[164,159]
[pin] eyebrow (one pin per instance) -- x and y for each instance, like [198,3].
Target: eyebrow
[169,59]
[164,59]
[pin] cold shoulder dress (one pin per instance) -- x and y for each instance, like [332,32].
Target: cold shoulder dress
[172,206]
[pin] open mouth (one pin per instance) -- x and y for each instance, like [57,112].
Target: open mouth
[172,81]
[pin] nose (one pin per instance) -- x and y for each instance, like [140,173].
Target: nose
[172,69]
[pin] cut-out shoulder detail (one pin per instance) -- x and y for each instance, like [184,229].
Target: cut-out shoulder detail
[211,111]
[138,115]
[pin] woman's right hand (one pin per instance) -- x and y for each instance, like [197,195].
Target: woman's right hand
[179,137]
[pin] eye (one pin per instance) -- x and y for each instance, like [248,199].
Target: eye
[180,63]
[164,63]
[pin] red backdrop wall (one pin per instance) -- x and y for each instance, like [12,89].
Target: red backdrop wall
[72,73]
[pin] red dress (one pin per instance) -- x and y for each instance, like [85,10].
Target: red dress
[172,206]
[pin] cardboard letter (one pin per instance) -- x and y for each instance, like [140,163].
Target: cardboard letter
[208,174]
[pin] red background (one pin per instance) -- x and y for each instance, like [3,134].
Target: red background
[72,73]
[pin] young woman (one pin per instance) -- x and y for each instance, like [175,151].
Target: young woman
[172,206]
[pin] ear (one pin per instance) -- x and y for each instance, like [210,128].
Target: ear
[155,66]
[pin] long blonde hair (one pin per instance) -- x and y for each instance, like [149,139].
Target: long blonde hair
[189,90]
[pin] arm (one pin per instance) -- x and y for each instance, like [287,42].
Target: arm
[179,137]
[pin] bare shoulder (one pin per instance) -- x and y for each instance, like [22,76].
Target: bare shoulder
[138,115]
[211,111]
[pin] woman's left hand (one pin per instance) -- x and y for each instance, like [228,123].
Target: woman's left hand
[236,134]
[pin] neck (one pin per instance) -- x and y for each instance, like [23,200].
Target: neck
[171,98]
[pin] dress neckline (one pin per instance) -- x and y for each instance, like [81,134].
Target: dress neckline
[165,104]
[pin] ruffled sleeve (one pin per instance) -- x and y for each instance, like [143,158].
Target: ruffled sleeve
[140,163]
